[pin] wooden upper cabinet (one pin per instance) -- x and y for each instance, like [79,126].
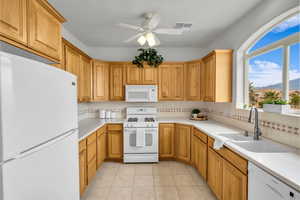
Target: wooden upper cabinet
[183,142]
[133,75]
[218,76]
[32,25]
[117,82]
[234,183]
[72,65]
[72,61]
[85,79]
[209,78]
[44,25]
[150,75]
[171,82]
[141,76]
[13,22]
[166,140]
[193,77]
[100,81]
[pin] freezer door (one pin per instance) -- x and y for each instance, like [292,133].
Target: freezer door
[38,102]
[47,173]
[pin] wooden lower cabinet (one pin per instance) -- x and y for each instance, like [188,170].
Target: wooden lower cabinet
[82,166]
[91,156]
[234,183]
[115,141]
[183,142]
[101,145]
[166,140]
[199,156]
[215,173]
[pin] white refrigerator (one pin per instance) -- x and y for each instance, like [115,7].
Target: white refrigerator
[38,131]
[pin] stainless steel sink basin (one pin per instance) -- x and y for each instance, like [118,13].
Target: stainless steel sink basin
[262,146]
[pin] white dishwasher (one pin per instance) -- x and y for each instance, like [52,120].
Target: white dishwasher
[263,186]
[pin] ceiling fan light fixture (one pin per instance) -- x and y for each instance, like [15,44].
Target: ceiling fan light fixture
[150,39]
[142,40]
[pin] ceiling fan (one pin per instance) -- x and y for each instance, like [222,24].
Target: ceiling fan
[146,33]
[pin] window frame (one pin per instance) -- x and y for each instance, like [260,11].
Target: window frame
[243,57]
[285,45]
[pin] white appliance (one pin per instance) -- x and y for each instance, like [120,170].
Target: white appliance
[140,135]
[141,93]
[38,131]
[262,185]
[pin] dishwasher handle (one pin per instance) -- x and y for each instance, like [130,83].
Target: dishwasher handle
[275,190]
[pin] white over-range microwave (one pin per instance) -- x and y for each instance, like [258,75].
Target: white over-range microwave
[141,93]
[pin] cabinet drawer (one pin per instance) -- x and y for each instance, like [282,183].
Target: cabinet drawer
[114,127]
[82,145]
[235,159]
[91,169]
[200,135]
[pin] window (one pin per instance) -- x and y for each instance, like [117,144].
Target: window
[273,65]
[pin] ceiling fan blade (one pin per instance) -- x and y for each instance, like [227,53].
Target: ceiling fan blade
[154,21]
[169,31]
[133,37]
[138,28]
[157,41]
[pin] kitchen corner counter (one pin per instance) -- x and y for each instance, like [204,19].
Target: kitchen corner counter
[90,125]
[284,165]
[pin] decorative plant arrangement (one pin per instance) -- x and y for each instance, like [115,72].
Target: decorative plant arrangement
[197,115]
[149,56]
[276,105]
[195,112]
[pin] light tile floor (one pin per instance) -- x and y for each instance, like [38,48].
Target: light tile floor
[165,180]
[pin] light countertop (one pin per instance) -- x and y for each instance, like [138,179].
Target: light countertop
[285,165]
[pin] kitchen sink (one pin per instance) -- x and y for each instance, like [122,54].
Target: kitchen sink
[237,137]
[262,146]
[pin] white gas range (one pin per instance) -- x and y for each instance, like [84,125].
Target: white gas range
[141,135]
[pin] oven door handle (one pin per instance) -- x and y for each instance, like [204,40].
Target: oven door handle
[140,137]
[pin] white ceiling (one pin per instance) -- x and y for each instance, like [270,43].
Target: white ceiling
[94,21]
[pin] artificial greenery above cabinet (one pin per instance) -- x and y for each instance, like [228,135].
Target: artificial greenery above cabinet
[148,56]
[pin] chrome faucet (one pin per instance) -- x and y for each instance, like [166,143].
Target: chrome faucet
[257,131]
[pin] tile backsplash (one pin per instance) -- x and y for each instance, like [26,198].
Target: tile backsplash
[281,128]
[165,109]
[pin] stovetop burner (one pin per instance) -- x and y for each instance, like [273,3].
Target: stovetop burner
[132,119]
[149,119]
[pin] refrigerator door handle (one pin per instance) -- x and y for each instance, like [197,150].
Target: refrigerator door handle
[45,144]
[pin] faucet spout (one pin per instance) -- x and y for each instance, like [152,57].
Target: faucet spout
[257,131]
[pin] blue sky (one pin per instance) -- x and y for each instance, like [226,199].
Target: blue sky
[266,69]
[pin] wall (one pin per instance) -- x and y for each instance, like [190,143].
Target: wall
[127,54]
[74,40]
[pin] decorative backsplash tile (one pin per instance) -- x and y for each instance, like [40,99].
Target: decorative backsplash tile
[119,107]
